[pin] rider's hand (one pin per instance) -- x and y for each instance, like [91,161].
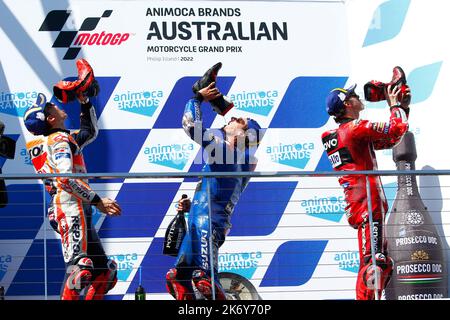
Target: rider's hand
[392,95]
[184,205]
[109,206]
[210,92]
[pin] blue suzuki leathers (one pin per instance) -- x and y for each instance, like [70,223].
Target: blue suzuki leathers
[220,156]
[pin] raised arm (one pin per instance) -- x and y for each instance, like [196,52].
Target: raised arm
[88,124]
[192,116]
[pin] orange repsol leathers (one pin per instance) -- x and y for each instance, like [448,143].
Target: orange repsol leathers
[70,212]
[351,147]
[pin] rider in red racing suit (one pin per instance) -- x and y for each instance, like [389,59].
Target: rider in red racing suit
[58,150]
[351,148]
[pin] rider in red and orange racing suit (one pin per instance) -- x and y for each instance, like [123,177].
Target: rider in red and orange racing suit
[351,147]
[57,150]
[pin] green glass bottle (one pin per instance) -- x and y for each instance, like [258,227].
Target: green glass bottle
[140,293]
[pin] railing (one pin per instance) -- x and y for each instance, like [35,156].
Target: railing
[292,251]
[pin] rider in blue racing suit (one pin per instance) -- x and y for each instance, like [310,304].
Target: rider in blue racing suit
[229,149]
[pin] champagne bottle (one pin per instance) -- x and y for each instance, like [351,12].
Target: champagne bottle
[420,270]
[2,293]
[175,232]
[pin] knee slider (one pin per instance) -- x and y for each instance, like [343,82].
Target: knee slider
[80,274]
[384,265]
[179,287]
[171,277]
[369,277]
[203,284]
[103,282]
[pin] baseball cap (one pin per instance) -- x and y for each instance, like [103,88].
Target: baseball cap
[34,117]
[336,97]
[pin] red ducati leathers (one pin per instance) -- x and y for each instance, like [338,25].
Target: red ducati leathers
[351,147]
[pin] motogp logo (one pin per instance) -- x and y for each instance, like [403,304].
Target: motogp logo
[73,40]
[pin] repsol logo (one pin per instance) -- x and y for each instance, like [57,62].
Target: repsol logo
[86,35]
[80,190]
[16,103]
[36,151]
[76,235]
[31,155]
[259,102]
[140,102]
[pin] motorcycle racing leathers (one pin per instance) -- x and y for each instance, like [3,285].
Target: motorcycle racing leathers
[70,212]
[351,147]
[196,258]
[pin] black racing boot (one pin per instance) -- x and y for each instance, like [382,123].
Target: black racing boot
[208,77]
[220,105]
